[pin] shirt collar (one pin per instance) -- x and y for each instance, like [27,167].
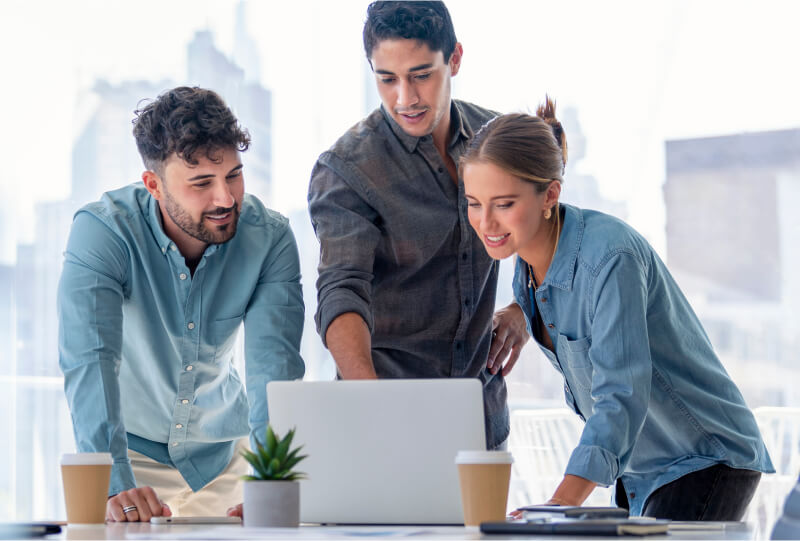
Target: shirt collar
[562,268]
[154,217]
[410,142]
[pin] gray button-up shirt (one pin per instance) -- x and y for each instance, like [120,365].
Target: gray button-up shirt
[396,248]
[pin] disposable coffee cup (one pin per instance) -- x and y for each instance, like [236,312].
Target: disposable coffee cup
[86,477]
[484,477]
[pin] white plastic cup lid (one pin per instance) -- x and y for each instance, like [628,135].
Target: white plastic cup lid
[86,459]
[484,457]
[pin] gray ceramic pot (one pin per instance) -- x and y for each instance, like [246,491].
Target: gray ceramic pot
[271,504]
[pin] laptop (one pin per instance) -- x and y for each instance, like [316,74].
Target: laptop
[380,451]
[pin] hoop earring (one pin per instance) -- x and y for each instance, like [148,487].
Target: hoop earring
[547,214]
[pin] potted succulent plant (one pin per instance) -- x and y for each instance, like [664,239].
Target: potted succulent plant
[272,492]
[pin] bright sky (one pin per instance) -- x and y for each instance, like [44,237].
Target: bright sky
[638,72]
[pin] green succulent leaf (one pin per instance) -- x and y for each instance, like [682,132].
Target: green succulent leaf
[293,462]
[283,445]
[276,459]
[272,441]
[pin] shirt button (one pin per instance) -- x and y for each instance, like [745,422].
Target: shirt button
[544,299]
[173,247]
[184,401]
[633,495]
[441,169]
[464,257]
[174,443]
[178,425]
[190,325]
[551,326]
[466,302]
[182,276]
[163,250]
[189,368]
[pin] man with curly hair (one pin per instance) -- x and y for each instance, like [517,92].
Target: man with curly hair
[158,277]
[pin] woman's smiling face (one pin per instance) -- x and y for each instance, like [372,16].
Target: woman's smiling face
[505,212]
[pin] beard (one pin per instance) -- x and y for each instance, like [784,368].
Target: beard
[214,234]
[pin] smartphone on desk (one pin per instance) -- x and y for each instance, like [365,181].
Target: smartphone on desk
[195,520]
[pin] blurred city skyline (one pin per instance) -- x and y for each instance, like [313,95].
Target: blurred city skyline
[638,74]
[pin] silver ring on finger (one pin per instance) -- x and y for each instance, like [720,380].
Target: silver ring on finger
[128,508]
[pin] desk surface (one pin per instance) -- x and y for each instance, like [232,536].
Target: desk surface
[730,531]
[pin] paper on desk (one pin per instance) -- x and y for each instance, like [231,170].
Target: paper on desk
[305,532]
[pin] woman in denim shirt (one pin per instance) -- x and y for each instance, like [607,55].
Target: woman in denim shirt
[663,419]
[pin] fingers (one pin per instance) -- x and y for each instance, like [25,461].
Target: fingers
[236,511]
[136,505]
[136,508]
[149,505]
[501,356]
[512,360]
[499,337]
[115,505]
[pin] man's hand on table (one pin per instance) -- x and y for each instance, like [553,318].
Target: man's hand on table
[141,503]
[236,511]
[509,334]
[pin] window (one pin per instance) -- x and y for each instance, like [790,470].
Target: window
[681,119]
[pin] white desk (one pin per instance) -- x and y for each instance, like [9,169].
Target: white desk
[732,532]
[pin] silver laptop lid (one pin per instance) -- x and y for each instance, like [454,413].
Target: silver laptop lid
[380,451]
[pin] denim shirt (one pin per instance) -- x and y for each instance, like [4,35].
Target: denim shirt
[638,367]
[146,348]
[396,248]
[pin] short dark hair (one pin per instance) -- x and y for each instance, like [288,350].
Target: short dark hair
[426,22]
[186,120]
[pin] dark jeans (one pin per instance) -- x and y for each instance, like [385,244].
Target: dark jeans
[716,493]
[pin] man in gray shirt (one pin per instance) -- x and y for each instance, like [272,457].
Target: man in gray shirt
[405,288]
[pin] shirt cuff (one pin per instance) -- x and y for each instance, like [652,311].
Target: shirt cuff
[595,464]
[121,478]
[337,302]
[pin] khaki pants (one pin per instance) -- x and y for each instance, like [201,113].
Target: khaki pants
[214,499]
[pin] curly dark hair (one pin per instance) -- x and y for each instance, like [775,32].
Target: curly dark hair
[427,22]
[186,120]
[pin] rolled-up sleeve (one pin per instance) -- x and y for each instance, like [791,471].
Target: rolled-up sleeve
[273,326]
[621,370]
[346,226]
[90,296]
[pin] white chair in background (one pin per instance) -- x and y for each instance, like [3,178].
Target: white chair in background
[542,441]
[780,429]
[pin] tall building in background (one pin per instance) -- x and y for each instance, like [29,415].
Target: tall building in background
[104,158]
[583,190]
[732,236]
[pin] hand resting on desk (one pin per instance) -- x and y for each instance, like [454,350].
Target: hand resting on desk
[236,511]
[144,499]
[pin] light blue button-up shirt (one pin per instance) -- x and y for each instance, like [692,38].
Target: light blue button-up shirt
[146,348]
[637,364]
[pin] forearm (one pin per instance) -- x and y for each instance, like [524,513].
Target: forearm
[573,490]
[350,343]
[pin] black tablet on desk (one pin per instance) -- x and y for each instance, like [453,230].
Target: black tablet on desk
[591,527]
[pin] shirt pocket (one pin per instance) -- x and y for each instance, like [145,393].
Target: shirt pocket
[223,336]
[578,364]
